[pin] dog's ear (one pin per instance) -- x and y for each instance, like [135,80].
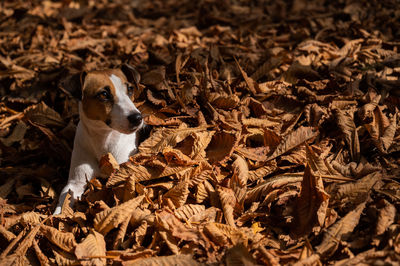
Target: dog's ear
[73,84]
[131,74]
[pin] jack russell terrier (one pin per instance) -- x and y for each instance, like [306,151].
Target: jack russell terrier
[109,123]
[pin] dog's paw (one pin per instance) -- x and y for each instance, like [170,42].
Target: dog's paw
[57,211]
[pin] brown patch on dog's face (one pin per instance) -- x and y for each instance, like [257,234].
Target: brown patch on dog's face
[99,95]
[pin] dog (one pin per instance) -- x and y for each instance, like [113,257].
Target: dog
[109,123]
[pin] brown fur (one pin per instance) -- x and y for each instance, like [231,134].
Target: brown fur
[95,81]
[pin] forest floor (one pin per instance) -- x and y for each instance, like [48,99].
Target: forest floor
[275,140]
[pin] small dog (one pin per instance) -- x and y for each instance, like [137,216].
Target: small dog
[109,123]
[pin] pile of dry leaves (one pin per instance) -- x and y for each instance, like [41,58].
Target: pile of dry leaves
[275,134]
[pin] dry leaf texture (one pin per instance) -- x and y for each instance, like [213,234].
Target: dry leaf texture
[274,135]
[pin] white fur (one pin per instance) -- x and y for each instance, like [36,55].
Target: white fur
[93,139]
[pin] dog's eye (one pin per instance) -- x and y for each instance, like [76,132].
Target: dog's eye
[130,89]
[104,95]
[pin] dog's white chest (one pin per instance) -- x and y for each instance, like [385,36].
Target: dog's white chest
[121,146]
[99,143]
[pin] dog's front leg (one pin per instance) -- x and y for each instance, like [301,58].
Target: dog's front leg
[82,170]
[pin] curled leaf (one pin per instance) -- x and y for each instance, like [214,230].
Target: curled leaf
[228,202]
[65,241]
[311,205]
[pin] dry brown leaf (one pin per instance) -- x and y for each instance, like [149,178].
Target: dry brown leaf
[293,140]
[31,218]
[172,225]
[108,164]
[43,115]
[139,215]
[92,246]
[228,202]
[40,255]
[130,257]
[154,77]
[216,235]
[347,126]
[9,236]
[171,241]
[221,147]
[388,134]
[14,260]
[208,215]
[64,240]
[136,173]
[154,120]
[111,218]
[357,191]
[256,107]
[225,102]
[172,169]
[239,255]
[199,174]
[177,157]
[140,232]
[258,154]
[223,234]
[160,139]
[386,218]
[201,192]
[258,192]
[214,126]
[64,258]
[187,211]
[66,210]
[370,257]
[315,114]
[127,170]
[295,156]
[298,71]
[263,171]
[119,238]
[26,242]
[251,84]
[154,100]
[240,171]
[177,260]
[178,194]
[317,164]
[340,231]
[13,243]
[259,122]
[17,134]
[201,141]
[311,205]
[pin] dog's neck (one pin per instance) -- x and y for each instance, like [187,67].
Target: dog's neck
[101,139]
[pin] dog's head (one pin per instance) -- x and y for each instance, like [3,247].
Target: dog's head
[108,95]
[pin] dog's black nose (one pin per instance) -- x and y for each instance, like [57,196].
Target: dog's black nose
[135,119]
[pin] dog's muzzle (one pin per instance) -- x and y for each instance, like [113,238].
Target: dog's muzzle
[135,119]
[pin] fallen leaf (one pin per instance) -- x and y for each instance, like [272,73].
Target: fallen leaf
[111,218]
[92,246]
[294,139]
[311,205]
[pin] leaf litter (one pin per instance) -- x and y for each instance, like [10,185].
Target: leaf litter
[275,134]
